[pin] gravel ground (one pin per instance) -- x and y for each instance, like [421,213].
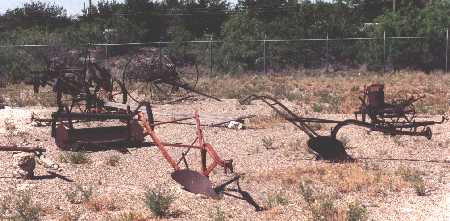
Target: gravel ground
[375,180]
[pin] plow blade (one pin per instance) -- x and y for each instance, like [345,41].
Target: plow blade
[329,148]
[195,182]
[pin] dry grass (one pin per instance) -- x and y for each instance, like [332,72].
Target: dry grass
[319,93]
[334,93]
[343,178]
[21,95]
[101,204]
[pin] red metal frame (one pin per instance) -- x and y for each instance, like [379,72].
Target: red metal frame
[199,143]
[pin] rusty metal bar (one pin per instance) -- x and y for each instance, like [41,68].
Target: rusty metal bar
[22,149]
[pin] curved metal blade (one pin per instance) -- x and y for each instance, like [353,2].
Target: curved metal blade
[195,182]
[329,148]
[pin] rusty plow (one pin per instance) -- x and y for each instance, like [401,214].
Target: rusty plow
[328,147]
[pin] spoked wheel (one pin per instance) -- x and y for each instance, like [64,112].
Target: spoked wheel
[144,82]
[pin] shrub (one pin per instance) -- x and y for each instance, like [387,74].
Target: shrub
[324,210]
[113,161]
[79,195]
[158,202]
[75,158]
[267,143]
[276,199]
[19,207]
[219,215]
[356,212]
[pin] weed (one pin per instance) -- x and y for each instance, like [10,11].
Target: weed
[277,199]
[130,216]
[113,161]
[74,158]
[70,217]
[324,210]
[19,207]
[218,215]
[159,202]
[397,140]
[79,195]
[415,178]
[307,192]
[101,204]
[10,125]
[410,175]
[356,212]
[420,188]
[267,143]
[317,108]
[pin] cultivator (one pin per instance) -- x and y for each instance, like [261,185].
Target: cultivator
[392,119]
[135,126]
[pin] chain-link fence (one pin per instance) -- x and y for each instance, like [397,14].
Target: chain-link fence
[381,54]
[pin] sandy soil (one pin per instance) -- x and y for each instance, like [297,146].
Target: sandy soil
[375,180]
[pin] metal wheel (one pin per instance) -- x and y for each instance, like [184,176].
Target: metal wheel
[155,79]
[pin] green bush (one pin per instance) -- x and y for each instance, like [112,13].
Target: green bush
[356,212]
[159,202]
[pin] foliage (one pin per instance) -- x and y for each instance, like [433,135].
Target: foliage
[238,26]
[356,212]
[19,207]
[158,202]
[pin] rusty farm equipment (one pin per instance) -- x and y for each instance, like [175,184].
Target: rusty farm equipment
[149,71]
[390,119]
[89,84]
[14,148]
[133,126]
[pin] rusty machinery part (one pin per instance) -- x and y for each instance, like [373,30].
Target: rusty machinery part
[155,75]
[36,150]
[374,106]
[67,136]
[329,147]
[79,94]
[84,89]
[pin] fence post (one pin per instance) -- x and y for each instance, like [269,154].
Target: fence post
[160,55]
[327,51]
[210,54]
[384,52]
[446,54]
[265,57]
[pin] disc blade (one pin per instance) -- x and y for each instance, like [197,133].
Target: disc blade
[195,182]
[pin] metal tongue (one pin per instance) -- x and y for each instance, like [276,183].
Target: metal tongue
[195,182]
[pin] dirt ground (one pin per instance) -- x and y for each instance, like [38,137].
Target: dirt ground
[393,178]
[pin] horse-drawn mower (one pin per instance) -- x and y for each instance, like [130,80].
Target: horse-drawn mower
[395,118]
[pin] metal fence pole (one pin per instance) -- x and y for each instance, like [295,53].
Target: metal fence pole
[446,54]
[384,52]
[326,55]
[210,54]
[160,56]
[265,57]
